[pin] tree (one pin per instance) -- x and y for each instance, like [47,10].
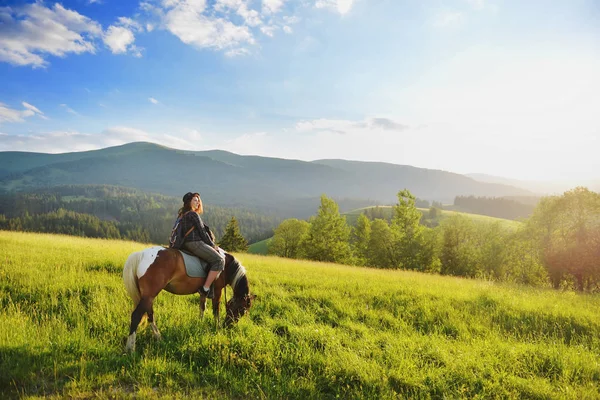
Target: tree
[568,234]
[328,235]
[233,240]
[409,234]
[381,251]
[288,237]
[359,239]
[522,261]
[458,254]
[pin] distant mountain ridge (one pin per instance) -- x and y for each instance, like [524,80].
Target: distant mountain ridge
[279,185]
[539,187]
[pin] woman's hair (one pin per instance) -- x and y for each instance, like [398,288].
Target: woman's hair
[187,202]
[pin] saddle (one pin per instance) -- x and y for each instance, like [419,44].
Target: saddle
[194,267]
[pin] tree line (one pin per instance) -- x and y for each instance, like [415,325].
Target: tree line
[117,212]
[498,207]
[558,246]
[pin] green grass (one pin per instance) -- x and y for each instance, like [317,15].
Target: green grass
[260,247]
[316,331]
[352,216]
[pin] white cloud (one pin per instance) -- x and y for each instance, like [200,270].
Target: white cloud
[129,23]
[152,100]
[31,107]
[291,19]
[341,6]
[68,141]
[251,17]
[217,24]
[119,37]
[347,126]
[11,115]
[237,52]
[224,5]
[268,30]
[185,19]
[32,32]
[240,7]
[374,139]
[271,6]
[69,109]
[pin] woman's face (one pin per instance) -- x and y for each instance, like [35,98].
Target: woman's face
[196,204]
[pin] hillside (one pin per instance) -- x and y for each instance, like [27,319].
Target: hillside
[261,247]
[285,187]
[540,187]
[316,331]
[387,212]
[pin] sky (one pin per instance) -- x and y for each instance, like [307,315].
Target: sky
[499,87]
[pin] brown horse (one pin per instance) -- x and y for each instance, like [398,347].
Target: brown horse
[146,273]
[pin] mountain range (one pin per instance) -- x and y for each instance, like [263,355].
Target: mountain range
[281,186]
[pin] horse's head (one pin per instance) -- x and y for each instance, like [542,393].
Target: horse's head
[237,308]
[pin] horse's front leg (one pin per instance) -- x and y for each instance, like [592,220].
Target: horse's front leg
[216,303]
[202,306]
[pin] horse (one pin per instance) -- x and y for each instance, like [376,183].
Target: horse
[147,272]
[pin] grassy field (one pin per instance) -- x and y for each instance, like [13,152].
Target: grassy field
[316,331]
[351,216]
[259,247]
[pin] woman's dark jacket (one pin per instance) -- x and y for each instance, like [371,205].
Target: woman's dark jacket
[192,219]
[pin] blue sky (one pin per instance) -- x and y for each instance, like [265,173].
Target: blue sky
[507,88]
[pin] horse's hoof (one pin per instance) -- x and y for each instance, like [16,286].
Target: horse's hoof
[130,346]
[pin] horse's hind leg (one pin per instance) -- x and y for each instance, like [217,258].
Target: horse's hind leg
[144,306]
[155,330]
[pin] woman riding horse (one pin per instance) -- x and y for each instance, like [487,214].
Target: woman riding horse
[198,242]
[148,272]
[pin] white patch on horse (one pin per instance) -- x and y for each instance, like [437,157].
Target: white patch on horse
[148,257]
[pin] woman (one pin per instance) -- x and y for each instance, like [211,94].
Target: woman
[199,241]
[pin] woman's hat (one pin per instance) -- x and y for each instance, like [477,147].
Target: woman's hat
[188,197]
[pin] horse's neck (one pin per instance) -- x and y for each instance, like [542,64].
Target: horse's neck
[236,278]
[241,288]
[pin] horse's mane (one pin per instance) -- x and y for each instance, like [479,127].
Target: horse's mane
[236,275]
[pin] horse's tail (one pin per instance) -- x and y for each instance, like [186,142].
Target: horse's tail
[130,277]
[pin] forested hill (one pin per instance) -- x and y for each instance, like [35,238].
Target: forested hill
[279,186]
[116,213]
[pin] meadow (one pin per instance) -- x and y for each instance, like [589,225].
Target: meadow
[352,216]
[316,331]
